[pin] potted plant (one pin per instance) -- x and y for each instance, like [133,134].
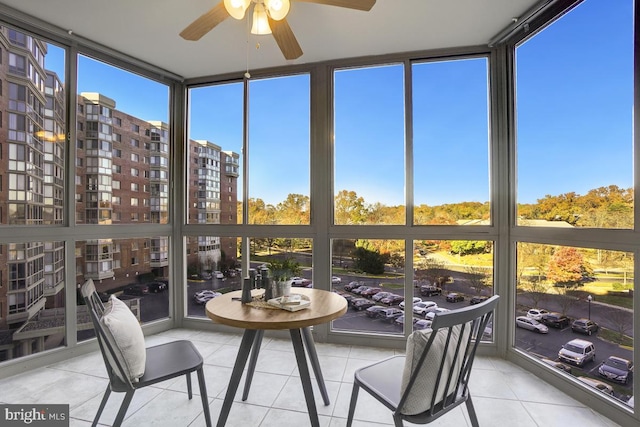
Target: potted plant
[281,273]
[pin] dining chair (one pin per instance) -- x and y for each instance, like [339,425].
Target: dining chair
[432,377]
[130,365]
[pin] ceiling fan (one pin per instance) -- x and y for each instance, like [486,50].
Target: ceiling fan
[269,17]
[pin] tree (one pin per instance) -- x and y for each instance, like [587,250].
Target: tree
[536,290]
[370,262]
[566,267]
[434,271]
[469,247]
[478,278]
[294,210]
[621,319]
[349,208]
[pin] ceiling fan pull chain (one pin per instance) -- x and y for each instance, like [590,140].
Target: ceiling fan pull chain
[246,74]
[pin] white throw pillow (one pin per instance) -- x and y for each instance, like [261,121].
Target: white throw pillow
[419,400]
[124,332]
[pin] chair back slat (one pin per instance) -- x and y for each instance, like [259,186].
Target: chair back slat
[461,330]
[106,343]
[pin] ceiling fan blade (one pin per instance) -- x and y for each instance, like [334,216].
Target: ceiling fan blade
[365,5]
[205,23]
[286,40]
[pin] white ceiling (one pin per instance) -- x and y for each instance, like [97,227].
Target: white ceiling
[148,30]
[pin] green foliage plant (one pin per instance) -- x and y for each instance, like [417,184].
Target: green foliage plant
[285,269]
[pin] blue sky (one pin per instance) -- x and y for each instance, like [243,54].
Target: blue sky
[573,135]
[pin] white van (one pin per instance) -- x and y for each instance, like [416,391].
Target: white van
[577,352]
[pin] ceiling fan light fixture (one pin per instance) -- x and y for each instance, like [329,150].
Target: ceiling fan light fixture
[260,21]
[277,9]
[237,8]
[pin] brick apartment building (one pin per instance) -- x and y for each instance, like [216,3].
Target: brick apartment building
[122,177]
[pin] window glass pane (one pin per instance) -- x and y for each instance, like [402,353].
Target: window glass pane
[33,137]
[109,93]
[370,274]
[279,162]
[450,142]
[577,293]
[134,270]
[575,120]
[212,266]
[369,146]
[32,298]
[214,178]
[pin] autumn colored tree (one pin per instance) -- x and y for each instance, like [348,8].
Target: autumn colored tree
[566,266]
[295,209]
[350,208]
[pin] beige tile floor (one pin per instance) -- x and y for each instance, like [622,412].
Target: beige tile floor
[504,394]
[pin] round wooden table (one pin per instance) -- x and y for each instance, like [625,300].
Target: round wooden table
[228,310]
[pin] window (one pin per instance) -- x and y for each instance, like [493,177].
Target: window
[135,128]
[272,182]
[135,157]
[117,121]
[116,137]
[135,172]
[135,142]
[562,125]
[369,126]
[17,64]
[438,104]
[567,129]
[117,152]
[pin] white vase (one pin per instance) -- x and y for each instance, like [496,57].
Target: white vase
[282,288]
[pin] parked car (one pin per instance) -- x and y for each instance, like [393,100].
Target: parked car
[400,320]
[537,313]
[455,297]
[577,352]
[616,369]
[136,289]
[421,308]
[203,297]
[373,310]
[299,281]
[478,299]
[557,365]
[429,315]
[557,320]
[352,285]
[335,280]
[361,303]
[360,289]
[430,290]
[380,295]
[599,385]
[421,324]
[370,292]
[206,275]
[525,322]
[584,326]
[392,300]
[390,314]
[218,274]
[415,300]
[156,287]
